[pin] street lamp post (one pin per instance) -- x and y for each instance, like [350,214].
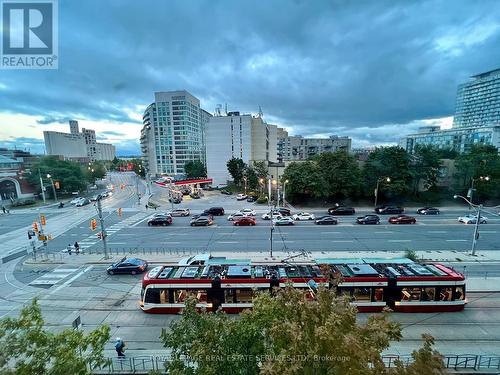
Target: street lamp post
[261,184]
[478,221]
[103,229]
[53,187]
[284,192]
[41,185]
[245,182]
[386,179]
[471,190]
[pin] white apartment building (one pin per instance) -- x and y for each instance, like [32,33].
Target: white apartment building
[173,133]
[299,148]
[76,145]
[240,136]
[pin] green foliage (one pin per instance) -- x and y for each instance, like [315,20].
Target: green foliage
[70,174]
[392,162]
[195,169]
[411,254]
[288,334]
[252,179]
[425,361]
[261,199]
[236,168]
[260,168]
[425,167]
[340,174]
[27,348]
[304,180]
[94,171]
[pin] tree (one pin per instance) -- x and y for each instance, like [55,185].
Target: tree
[425,361]
[304,180]
[252,179]
[480,161]
[95,170]
[261,169]
[27,348]
[195,169]
[425,166]
[392,162]
[287,334]
[340,174]
[236,168]
[70,174]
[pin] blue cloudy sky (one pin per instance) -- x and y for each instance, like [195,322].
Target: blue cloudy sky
[373,70]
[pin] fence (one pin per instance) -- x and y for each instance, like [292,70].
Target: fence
[144,364]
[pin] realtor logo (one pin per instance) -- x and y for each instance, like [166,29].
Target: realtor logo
[29,34]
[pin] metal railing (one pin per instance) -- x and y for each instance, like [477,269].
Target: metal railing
[144,364]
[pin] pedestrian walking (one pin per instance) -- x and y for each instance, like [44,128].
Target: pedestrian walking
[120,347]
[3,209]
[146,207]
[77,248]
[69,249]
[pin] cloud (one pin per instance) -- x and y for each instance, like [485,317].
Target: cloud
[366,69]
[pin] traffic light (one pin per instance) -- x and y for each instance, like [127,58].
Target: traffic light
[99,235]
[57,185]
[50,237]
[35,226]
[122,186]
[93,224]
[120,212]
[43,220]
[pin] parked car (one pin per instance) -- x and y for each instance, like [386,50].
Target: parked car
[428,211]
[248,211]
[303,216]
[185,190]
[216,211]
[402,219]
[203,214]
[267,216]
[471,219]
[245,220]
[226,192]
[201,221]
[285,220]
[326,220]
[236,216]
[94,198]
[175,200]
[195,195]
[341,210]
[283,211]
[128,265]
[368,219]
[160,220]
[82,202]
[180,212]
[251,198]
[389,210]
[208,188]
[241,197]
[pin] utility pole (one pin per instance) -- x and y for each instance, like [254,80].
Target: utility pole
[137,190]
[103,230]
[476,229]
[170,195]
[41,185]
[272,225]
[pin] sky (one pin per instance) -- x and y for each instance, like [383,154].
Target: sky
[371,70]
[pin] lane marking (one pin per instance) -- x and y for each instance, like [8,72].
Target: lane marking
[70,280]
[437,231]
[342,241]
[399,240]
[456,240]
[228,242]
[386,232]
[65,270]
[330,232]
[117,243]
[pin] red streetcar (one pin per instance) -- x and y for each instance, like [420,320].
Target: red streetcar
[371,284]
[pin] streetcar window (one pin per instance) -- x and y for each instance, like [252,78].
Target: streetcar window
[152,296]
[459,293]
[362,294]
[347,292]
[445,294]
[411,294]
[378,295]
[244,295]
[229,295]
[428,294]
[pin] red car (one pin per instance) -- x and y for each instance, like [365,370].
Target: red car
[402,219]
[246,220]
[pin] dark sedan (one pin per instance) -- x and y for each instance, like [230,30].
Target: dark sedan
[128,265]
[428,211]
[160,220]
[326,220]
[251,198]
[226,192]
[389,210]
[368,219]
[402,219]
[201,221]
[341,210]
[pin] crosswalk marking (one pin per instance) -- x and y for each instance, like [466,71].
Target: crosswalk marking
[53,277]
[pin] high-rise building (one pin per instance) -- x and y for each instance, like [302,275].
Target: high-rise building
[76,145]
[476,120]
[295,148]
[478,101]
[241,136]
[173,133]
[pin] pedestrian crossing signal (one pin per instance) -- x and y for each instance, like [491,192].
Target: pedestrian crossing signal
[35,227]
[120,212]
[57,185]
[93,224]
[43,220]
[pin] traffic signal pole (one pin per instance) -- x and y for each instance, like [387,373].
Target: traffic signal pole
[103,230]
